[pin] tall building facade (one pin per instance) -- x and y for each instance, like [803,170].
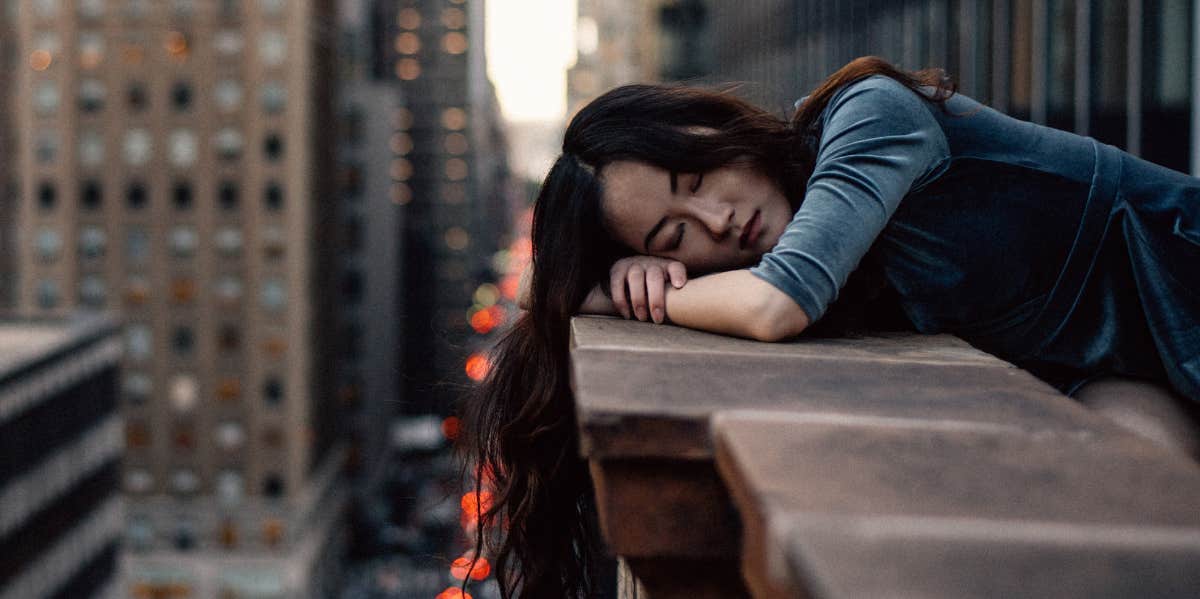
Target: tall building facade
[1123,71]
[450,175]
[60,438]
[617,42]
[173,168]
[8,192]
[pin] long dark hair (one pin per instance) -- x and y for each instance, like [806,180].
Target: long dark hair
[519,424]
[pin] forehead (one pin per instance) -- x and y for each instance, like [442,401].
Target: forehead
[635,194]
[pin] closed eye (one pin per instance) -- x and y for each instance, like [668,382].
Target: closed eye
[699,180]
[678,237]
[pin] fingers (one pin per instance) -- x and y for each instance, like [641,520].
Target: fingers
[656,293]
[616,288]
[637,291]
[678,273]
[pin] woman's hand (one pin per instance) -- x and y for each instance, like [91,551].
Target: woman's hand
[638,285]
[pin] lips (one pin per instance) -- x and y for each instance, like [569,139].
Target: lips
[750,230]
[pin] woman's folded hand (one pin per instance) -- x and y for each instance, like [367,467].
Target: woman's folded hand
[638,285]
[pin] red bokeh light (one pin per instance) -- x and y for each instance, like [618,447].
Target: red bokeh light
[477,367]
[451,426]
[474,503]
[480,571]
[453,593]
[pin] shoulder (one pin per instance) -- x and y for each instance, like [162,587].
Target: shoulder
[877,93]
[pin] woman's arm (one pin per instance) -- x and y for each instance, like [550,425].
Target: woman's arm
[736,303]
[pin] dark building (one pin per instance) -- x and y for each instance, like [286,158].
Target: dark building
[8,189]
[1123,71]
[60,442]
[450,178]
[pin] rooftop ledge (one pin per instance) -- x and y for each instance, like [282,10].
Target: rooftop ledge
[900,465]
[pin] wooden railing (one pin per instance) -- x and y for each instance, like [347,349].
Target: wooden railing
[899,466]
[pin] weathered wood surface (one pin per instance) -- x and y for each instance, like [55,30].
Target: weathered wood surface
[924,432]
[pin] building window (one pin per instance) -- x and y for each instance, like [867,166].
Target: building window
[273,147]
[183,340]
[90,196]
[273,486]
[184,482]
[230,487]
[183,393]
[456,169]
[227,534]
[229,389]
[272,7]
[274,97]
[228,42]
[272,48]
[229,289]
[273,197]
[137,245]
[408,43]
[138,343]
[454,18]
[408,69]
[136,97]
[227,196]
[183,437]
[137,290]
[272,240]
[183,148]
[183,241]
[92,291]
[401,169]
[46,9]
[272,532]
[137,388]
[182,196]
[457,238]
[181,96]
[454,43]
[91,49]
[137,147]
[229,143]
[48,294]
[273,391]
[45,98]
[91,95]
[48,244]
[456,143]
[229,241]
[183,290]
[185,533]
[352,287]
[454,119]
[138,480]
[91,149]
[352,180]
[46,147]
[135,195]
[230,435]
[273,295]
[47,196]
[408,18]
[228,95]
[92,240]
[229,338]
[353,234]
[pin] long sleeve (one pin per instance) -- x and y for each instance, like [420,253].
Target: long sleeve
[878,139]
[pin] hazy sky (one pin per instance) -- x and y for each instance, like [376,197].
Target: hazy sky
[530,43]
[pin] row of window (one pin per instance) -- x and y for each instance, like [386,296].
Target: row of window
[91,196]
[140,536]
[138,9]
[92,95]
[182,241]
[452,17]
[94,293]
[183,391]
[229,484]
[183,147]
[229,44]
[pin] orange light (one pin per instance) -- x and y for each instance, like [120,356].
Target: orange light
[509,286]
[459,568]
[39,60]
[477,367]
[176,44]
[476,503]
[483,322]
[522,249]
[451,426]
[453,593]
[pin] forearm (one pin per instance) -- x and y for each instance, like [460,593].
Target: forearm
[735,303]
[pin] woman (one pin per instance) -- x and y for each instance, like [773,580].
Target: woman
[1067,257]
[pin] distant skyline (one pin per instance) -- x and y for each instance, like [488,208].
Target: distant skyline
[530,44]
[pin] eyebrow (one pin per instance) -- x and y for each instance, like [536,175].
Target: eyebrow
[662,221]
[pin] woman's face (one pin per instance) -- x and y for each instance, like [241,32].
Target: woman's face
[720,220]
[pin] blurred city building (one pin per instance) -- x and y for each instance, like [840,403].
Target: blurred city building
[60,438]
[450,172]
[618,42]
[8,192]
[370,251]
[1122,71]
[174,164]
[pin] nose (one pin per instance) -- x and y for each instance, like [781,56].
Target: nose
[715,215]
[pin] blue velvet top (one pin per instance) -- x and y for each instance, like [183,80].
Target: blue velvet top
[1066,256]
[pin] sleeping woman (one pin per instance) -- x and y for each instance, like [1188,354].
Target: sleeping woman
[887,200]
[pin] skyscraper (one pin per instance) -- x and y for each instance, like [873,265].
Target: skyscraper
[452,182]
[174,168]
